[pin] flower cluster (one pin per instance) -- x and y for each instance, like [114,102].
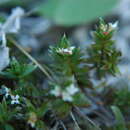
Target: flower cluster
[7,94]
[66,94]
[107,28]
[68,50]
[102,53]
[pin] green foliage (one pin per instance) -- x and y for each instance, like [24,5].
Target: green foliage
[81,100]
[8,127]
[6,114]
[18,70]
[120,122]
[23,96]
[72,12]
[103,55]
[61,108]
[67,69]
[28,104]
[40,111]
[70,64]
[121,99]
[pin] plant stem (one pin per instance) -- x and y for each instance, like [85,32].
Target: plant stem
[74,120]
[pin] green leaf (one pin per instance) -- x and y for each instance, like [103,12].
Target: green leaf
[40,125]
[81,100]
[28,69]
[61,108]
[119,118]
[42,110]
[72,12]
[8,127]
[18,70]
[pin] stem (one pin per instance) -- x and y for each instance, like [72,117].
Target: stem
[63,125]
[77,110]
[74,120]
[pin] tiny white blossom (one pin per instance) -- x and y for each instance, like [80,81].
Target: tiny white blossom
[6,89]
[67,97]
[72,89]
[113,25]
[66,94]
[15,99]
[68,50]
[56,91]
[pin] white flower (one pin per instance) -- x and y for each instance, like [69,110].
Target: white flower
[66,96]
[56,91]
[72,89]
[6,91]
[69,92]
[15,99]
[68,50]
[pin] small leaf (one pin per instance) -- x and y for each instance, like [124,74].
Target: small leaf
[40,125]
[61,108]
[119,118]
[81,100]
[28,69]
[8,127]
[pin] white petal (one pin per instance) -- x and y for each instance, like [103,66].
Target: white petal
[72,89]
[12,97]
[17,97]
[15,102]
[72,48]
[114,25]
[67,97]
[56,91]
[12,102]
[7,94]
[6,89]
